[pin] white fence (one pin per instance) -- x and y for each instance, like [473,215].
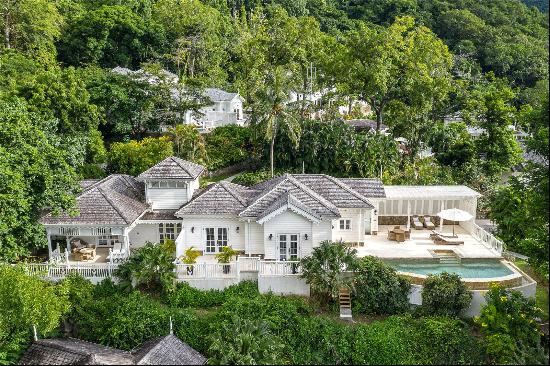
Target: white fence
[487,239]
[271,268]
[58,271]
[206,270]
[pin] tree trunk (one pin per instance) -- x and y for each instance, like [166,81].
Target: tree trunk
[350,105]
[7,42]
[272,153]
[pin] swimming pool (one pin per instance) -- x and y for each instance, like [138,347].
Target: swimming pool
[476,269]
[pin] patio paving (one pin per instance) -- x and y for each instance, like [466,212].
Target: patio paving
[419,245]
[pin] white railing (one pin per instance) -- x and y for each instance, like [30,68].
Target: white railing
[487,239]
[248,264]
[206,270]
[58,271]
[276,268]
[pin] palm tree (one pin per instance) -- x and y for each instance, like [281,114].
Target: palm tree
[272,113]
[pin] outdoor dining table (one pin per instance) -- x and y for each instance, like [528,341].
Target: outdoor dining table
[87,253]
[399,235]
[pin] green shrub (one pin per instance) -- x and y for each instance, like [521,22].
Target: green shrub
[324,270]
[186,296]
[379,289]
[445,294]
[245,342]
[249,179]
[389,342]
[508,323]
[125,321]
[227,145]
[150,267]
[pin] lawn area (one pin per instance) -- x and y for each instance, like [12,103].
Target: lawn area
[542,287]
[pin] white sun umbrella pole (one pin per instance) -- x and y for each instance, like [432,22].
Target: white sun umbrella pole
[454,214]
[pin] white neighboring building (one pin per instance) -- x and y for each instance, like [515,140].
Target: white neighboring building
[227,109]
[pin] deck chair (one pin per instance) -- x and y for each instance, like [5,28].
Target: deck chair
[440,240]
[391,235]
[416,223]
[428,224]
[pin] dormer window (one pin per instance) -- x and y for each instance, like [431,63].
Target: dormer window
[167,184]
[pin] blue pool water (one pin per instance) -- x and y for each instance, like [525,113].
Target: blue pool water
[478,269]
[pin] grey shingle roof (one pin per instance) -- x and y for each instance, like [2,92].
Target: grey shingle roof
[217,199]
[368,187]
[115,200]
[159,215]
[173,168]
[218,95]
[72,351]
[334,190]
[167,350]
[290,201]
[284,184]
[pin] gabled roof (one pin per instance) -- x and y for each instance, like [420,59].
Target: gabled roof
[217,199]
[115,200]
[368,187]
[218,95]
[288,202]
[173,168]
[334,190]
[72,351]
[304,194]
[167,350]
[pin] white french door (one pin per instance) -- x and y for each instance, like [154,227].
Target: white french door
[216,239]
[288,246]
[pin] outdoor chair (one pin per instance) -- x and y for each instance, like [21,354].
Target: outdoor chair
[440,240]
[391,235]
[428,224]
[416,223]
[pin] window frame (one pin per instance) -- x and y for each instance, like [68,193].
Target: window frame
[168,233]
[346,224]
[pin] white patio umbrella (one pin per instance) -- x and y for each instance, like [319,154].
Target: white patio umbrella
[454,214]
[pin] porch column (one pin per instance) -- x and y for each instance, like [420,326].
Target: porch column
[408,214]
[246,237]
[440,219]
[48,235]
[68,247]
[359,227]
[126,240]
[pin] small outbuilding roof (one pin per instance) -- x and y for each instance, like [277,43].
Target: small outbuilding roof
[173,168]
[429,192]
[167,350]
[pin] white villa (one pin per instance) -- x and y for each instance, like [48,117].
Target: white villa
[272,225]
[281,219]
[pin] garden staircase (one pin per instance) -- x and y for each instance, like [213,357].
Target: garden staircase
[345,303]
[448,258]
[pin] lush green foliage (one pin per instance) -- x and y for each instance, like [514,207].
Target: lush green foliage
[325,269]
[228,145]
[445,294]
[150,267]
[186,296]
[26,301]
[135,157]
[379,289]
[509,326]
[245,342]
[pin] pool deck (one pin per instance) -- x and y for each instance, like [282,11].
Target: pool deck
[420,244]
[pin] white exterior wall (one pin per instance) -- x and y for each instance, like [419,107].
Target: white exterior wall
[255,238]
[218,114]
[356,233]
[321,232]
[197,238]
[469,206]
[170,198]
[287,223]
[143,233]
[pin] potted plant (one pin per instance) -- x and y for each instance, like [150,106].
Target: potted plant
[190,257]
[294,265]
[225,256]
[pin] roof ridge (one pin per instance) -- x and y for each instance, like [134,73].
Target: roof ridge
[113,205]
[331,206]
[97,183]
[238,198]
[349,189]
[175,160]
[266,193]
